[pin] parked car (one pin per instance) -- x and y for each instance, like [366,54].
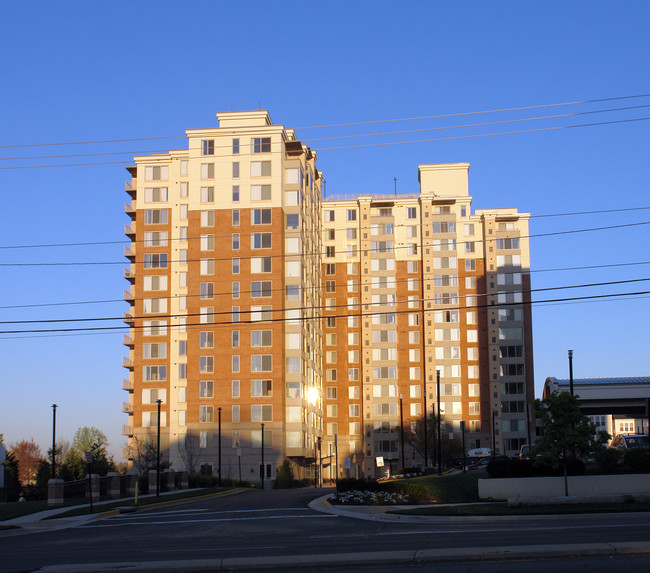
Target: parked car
[482,463]
[626,441]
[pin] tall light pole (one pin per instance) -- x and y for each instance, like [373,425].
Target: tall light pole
[159,402]
[401,423]
[426,436]
[439,416]
[53,441]
[571,371]
[494,437]
[263,472]
[219,412]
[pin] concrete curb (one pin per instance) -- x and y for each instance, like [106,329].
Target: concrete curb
[384,557]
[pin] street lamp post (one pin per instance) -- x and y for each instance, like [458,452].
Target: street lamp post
[159,402]
[426,436]
[53,441]
[320,462]
[262,469]
[219,413]
[439,416]
[494,437]
[571,371]
[401,423]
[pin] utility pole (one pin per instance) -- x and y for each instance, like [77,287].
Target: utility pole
[53,441]
[219,413]
[401,423]
[159,402]
[439,416]
[571,371]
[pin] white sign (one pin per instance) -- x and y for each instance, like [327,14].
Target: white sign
[380,461]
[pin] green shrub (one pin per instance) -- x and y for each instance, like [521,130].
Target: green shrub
[499,468]
[608,459]
[285,478]
[637,459]
[350,484]
[415,491]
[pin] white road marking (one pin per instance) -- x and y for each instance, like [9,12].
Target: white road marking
[176,521]
[205,512]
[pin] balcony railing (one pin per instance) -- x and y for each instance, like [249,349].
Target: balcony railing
[129,295]
[127,408]
[127,430]
[127,384]
[130,188]
[127,362]
[128,340]
[128,318]
[126,453]
[129,209]
[129,230]
[129,274]
[129,252]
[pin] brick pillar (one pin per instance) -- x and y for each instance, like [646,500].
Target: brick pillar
[55,492]
[113,489]
[131,483]
[152,481]
[182,479]
[169,479]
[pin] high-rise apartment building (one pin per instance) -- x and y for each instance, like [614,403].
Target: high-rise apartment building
[225,298]
[417,287]
[263,315]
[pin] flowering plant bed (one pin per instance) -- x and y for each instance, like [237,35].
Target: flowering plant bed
[357,497]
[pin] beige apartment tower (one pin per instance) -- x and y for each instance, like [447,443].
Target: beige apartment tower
[261,314]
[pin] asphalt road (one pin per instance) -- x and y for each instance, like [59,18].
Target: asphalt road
[278,523]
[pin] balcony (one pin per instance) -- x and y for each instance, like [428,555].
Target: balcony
[129,274]
[126,454]
[129,231]
[129,252]
[127,430]
[127,408]
[131,188]
[129,209]
[129,296]
[127,362]
[128,318]
[127,384]
[128,340]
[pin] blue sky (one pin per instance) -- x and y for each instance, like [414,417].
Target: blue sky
[78,72]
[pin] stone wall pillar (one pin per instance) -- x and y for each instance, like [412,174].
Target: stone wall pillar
[131,479]
[169,479]
[182,480]
[94,486]
[113,486]
[55,494]
[152,481]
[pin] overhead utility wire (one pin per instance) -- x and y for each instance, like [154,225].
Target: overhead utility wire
[323,254]
[338,284]
[516,132]
[156,316]
[170,239]
[342,124]
[320,317]
[355,136]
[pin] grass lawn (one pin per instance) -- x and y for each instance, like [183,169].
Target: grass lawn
[18,509]
[457,488]
[491,508]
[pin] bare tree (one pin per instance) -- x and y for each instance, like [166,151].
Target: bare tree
[190,451]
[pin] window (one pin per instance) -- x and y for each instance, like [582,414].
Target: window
[158,350]
[154,327]
[206,389]
[154,305]
[207,170]
[207,218]
[235,413]
[235,217]
[260,289]
[206,364]
[156,173]
[235,193]
[206,340]
[354,410]
[206,414]
[261,413]
[352,214]
[411,212]
[235,314]
[235,289]
[235,169]
[262,217]
[261,145]
[260,192]
[155,194]
[261,363]
[206,266]
[207,194]
[329,216]
[508,243]
[331,392]
[155,238]
[235,363]
[184,165]
[260,264]
[261,240]
[207,147]
[293,221]
[260,168]
[235,146]
[155,261]
[154,373]
[235,265]
[155,216]
[444,226]
[234,337]
[351,234]
[261,338]
[261,388]
[330,269]
[183,211]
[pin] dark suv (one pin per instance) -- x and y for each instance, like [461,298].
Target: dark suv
[626,441]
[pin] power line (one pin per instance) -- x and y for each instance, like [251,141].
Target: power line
[321,317]
[396,246]
[127,241]
[157,316]
[122,140]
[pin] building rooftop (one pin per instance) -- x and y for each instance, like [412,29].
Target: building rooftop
[599,381]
